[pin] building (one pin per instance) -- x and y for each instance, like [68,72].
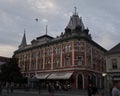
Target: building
[72,58]
[113,62]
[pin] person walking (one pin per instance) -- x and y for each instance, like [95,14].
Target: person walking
[0,88]
[94,91]
[89,90]
[51,89]
[12,87]
[116,88]
[8,87]
[39,88]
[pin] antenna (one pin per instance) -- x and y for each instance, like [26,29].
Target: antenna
[46,29]
[24,30]
[75,13]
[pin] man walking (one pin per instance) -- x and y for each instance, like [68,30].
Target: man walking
[116,88]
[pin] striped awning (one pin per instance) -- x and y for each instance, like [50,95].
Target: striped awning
[42,75]
[60,75]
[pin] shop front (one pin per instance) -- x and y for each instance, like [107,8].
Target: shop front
[60,80]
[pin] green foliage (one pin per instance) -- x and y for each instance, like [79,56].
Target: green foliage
[10,72]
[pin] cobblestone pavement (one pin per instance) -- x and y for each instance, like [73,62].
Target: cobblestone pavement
[44,93]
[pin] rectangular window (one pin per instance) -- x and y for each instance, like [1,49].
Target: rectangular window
[33,55]
[67,48]
[78,47]
[114,63]
[79,60]
[39,64]
[33,63]
[67,61]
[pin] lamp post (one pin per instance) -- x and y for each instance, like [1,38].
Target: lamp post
[105,81]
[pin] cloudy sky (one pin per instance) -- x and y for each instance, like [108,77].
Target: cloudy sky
[102,17]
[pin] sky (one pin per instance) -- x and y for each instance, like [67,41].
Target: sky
[102,17]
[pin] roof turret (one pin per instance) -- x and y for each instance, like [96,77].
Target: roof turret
[23,43]
[75,21]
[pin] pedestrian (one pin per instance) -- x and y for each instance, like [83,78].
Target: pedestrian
[94,91]
[51,89]
[116,88]
[89,90]
[8,87]
[12,87]
[39,88]
[0,88]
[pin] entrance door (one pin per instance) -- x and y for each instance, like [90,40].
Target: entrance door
[80,82]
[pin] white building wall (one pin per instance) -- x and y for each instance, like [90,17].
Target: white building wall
[109,62]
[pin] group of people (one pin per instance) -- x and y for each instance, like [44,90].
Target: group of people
[115,91]
[8,86]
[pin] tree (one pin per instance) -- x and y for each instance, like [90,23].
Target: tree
[10,72]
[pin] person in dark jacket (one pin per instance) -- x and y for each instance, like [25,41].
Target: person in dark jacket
[89,90]
[0,88]
[39,88]
[94,90]
[51,89]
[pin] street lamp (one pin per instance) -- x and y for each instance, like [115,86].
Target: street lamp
[107,80]
[104,74]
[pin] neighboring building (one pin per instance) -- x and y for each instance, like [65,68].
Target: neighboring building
[72,58]
[113,62]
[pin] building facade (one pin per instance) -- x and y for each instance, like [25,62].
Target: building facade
[72,58]
[113,62]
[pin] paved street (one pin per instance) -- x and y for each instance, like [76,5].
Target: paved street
[44,93]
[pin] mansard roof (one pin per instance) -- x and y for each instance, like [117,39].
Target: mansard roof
[74,22]
[115,48]
[60,39]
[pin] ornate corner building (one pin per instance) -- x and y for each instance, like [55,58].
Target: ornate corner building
[72,58]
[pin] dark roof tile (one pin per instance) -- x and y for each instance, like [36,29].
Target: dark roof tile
[115,48]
